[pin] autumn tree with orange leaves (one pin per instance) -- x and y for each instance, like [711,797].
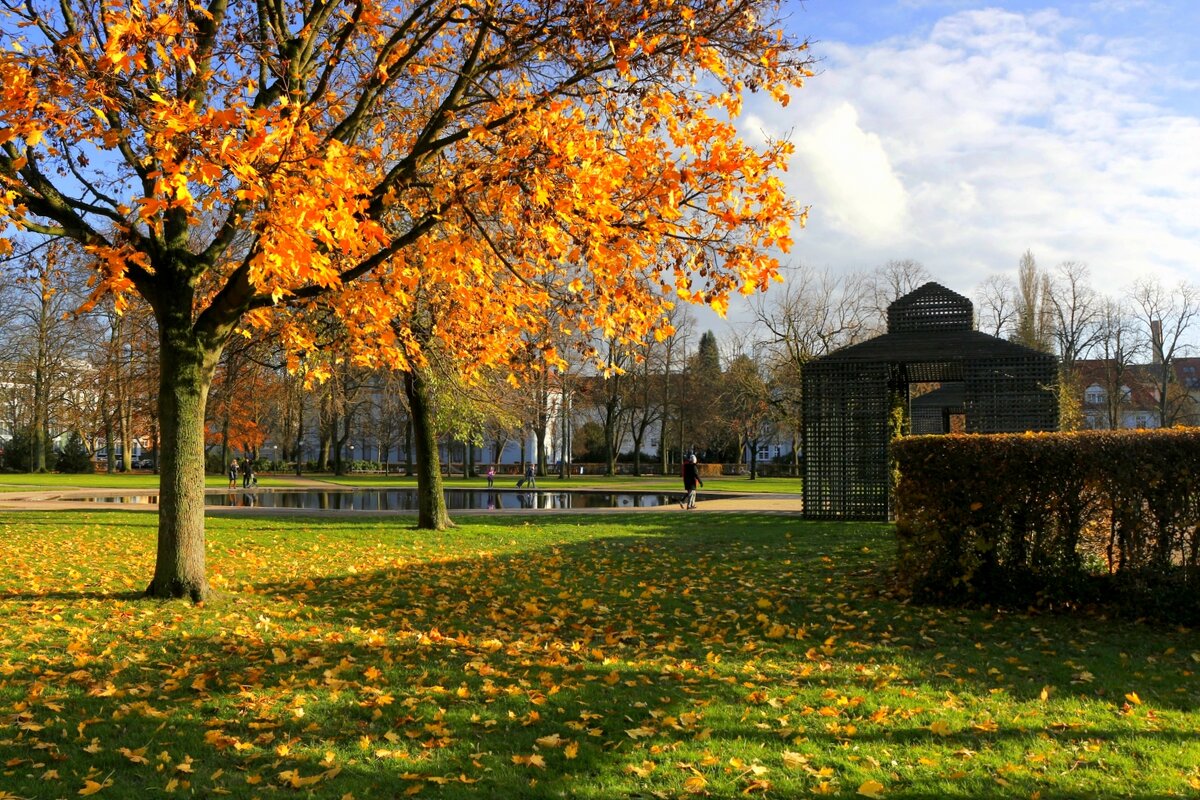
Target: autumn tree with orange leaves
[233,163]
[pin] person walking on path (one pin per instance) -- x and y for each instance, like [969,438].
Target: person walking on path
[691,479]
[491,476]
[247,473]
[233,473]
[529,479]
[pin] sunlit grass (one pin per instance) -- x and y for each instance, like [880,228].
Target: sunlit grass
[619,656]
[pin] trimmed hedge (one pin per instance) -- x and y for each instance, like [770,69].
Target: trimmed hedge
[1053,518]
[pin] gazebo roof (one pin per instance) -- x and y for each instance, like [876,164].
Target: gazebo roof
[933,345]
[932,324]
[931,307]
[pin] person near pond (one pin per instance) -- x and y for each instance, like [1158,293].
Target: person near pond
[233,474]
[529,479]
[491,476]
[247,474]
[691,479]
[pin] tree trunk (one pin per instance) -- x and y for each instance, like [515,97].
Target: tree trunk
[125,428]
[610,449]
[109,450]
[38,432]
[664,450]
[408,444]
[431,501]
[154,454]
[186,371]
[300,440]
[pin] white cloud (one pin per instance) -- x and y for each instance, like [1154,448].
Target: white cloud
[989,133]
[857,190]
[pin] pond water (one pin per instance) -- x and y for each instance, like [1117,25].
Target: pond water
[406,499]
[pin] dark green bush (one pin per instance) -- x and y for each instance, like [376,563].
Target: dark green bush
[1054,517]
[75,457]
[18,452]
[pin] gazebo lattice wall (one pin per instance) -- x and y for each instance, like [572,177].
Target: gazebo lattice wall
[995,385]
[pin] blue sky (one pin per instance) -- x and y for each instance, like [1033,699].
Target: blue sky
[962,133]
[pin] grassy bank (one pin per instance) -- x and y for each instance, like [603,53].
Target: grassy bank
[608,656]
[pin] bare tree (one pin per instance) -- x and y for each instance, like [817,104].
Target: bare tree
[1076,314]
[1167,317]
[1119,348]
[610,397]
[1033,315]
[41,344]
[892,281]
[996,308]
[673,350]
[815,314]
[1077,310]
[748,397]
[642,407]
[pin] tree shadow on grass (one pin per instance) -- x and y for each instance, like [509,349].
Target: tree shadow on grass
[706,584]
[445,667]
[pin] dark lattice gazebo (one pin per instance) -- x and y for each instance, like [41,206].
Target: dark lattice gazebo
[987,385]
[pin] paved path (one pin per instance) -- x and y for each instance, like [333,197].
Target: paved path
[68,498]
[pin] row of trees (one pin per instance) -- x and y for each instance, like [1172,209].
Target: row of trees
[1149,325]
[94,373]
[64,372]
[98,379]
[683,392]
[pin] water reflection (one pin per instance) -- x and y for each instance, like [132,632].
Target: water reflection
[406,499]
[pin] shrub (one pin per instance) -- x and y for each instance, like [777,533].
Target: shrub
[1053,517]
[18,452]
[75,457]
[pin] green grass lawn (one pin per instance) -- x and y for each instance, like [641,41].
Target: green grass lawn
[593,656]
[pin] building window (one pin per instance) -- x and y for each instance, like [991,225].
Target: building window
[1094,396]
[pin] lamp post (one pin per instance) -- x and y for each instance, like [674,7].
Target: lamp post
[275,458]
[352,457]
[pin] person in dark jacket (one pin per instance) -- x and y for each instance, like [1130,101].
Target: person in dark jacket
[691,479]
